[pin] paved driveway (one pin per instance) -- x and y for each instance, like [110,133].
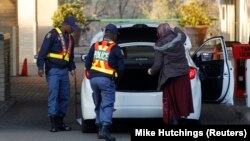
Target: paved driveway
[27,119]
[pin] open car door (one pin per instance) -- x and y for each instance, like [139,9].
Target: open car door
[215,71]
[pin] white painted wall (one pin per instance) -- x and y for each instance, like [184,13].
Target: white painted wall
[33,16]
[244,25]
[235,20]
[27,29]
[227,19]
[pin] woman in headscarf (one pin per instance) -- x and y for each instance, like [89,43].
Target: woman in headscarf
[171,64]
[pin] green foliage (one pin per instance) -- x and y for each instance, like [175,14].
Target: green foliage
[69,9]
[159,9]
[61,2]
[194,13]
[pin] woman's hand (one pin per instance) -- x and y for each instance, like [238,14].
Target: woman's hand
[149,71]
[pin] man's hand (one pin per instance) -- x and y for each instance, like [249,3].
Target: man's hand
[40,73]
[73,72]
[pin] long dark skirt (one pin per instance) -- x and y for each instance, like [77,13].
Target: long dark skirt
[177,98]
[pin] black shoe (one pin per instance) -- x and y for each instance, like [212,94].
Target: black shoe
[99,128]
[53,124]
[61,125]
[104,134]
[53,130]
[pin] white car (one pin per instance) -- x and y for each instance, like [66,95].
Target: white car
[211,76]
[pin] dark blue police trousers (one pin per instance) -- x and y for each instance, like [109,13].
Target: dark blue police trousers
[59,91]
[104,99]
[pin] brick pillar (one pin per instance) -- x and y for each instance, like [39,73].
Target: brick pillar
[4,66]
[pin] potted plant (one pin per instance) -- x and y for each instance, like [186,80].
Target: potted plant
[195,20]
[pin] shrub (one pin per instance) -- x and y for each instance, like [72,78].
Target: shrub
[193,14]
[69,9]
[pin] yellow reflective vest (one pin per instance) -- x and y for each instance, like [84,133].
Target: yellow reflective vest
[65,54]
[101,55]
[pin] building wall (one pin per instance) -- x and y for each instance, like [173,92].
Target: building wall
[8,13]
[227,19]
[34,20]
[8,23]
[44,21]
[248,8]
[244,21]
[4,67]
[27,24]
[235,20]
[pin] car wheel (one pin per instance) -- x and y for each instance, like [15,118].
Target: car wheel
[88,126]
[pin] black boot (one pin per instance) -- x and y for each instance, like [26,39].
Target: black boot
[99,128]
[53,124]
[61,125]
[105,133]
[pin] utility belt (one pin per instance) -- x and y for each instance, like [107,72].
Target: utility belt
[55,63]
[59,56]
[112,73]
[96,73]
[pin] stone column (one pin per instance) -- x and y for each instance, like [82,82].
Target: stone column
[34,21]
[27,23]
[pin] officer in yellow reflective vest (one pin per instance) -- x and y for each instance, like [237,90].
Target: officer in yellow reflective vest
[57,55]
[105,63]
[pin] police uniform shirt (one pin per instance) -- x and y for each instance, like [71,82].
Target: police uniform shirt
[52,44]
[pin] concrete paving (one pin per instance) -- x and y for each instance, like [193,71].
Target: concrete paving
[212,114]
[26,119]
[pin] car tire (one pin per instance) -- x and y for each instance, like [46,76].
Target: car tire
[88,126]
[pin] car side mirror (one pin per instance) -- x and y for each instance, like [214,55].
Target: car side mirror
[83,57]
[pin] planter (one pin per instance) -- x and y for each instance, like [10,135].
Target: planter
[197,34]
[76,36]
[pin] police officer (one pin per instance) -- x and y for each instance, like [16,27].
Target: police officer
[105,64]
[57,55]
